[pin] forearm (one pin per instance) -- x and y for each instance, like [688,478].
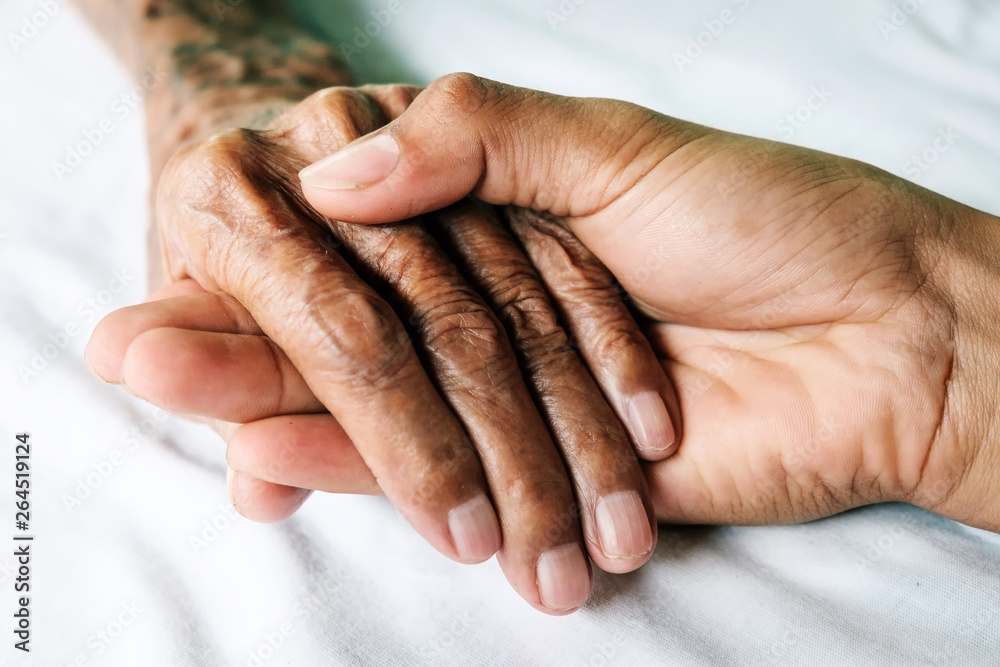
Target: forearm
[208,65]
[212,63]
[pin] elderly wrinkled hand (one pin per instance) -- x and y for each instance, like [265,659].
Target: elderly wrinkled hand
[831,329]
[425,360]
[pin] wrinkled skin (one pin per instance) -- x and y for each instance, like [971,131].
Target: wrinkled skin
[428,356]
[831,329]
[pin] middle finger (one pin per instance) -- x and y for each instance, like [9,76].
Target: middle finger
[615,508]
[475,368]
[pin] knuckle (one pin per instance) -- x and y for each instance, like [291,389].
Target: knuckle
[550,351]
[532,322]
[523,219]
[328,120]
[229,200]
[617,342]
[359,337]
[468,342]
[321,100]
[394,98]
[217,173]
[522,302]
[565,261]
[461,93]
[211,196]
[518,289]
[443,471]
[527,493]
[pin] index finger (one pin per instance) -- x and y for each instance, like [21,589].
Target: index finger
[238,225]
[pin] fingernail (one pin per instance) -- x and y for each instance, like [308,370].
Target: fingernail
[360,164]
[623,525]
[474,529]
[563,579]
[650,423]
[90,365]
[231,487]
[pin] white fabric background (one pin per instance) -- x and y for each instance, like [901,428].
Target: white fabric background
[346,581]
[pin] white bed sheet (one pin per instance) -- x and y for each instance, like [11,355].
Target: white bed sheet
[152,554]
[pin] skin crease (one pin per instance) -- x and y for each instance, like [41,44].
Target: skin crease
[754,362]
[864,365]
[840,350]
[231,215]
[720,369]
[525,477]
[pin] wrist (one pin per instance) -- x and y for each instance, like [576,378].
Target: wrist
[959,477]
[214,79]
[243,83]
[172,125]
[208,66]
[175,119]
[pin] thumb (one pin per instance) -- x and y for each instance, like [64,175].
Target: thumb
[503,144]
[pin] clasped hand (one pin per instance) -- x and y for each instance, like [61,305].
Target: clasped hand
[484,372]
[481,367]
